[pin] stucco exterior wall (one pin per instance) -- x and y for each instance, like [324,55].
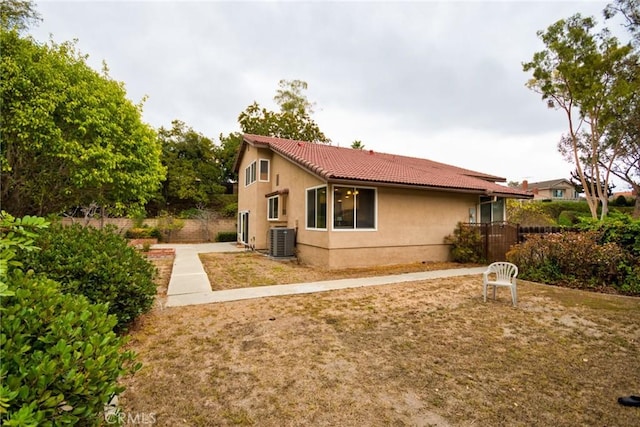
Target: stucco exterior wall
[411,224]
[411,227]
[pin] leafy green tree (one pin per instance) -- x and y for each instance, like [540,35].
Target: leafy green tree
[193,171]
[579,74]
[70,137]
[293,121]
[291,99]
[357,145]
[577,183]
[630,11]
[226,154]
[626,127]
[17,14]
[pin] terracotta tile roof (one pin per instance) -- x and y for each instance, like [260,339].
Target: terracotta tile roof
[337,163]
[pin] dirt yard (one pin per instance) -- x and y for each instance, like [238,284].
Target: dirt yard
[428,353]
[241,270]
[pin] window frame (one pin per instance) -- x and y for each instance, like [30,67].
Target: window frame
[491,206]
[250,174]
[271,201]
[259,170]
[355,209]
[306,207]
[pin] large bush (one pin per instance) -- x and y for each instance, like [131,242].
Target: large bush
[617,228]
[578,259]
[99,265]
[528,214]
[59,356]
[466,244]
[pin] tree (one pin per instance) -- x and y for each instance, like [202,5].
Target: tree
[577,183]
[70,137]
[193,173]
[226,154]
[630,10]
[18,14]
[357,145]
[293,121]
[291,99]
[578,73]
[626,127]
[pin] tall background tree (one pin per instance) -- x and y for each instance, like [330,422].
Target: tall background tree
[193,171]
[293,121]
[18,14]
[70,136]
[226,154]
[580,73]
[357,145]
[626,127]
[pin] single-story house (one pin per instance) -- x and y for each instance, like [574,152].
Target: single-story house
[350,207]
[555,189]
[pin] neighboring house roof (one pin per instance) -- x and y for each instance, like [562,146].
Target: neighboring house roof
[346,164]
[553,183]
[627,194]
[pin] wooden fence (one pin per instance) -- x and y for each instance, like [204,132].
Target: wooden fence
[498,237]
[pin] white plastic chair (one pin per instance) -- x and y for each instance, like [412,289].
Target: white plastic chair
[500,274]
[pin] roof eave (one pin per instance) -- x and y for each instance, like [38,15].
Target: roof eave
[481,192]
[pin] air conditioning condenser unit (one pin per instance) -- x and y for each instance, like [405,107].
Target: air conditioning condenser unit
[282,242]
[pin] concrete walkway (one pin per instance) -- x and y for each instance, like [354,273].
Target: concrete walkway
[189,284]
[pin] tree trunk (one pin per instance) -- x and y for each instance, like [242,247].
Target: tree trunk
[636,208]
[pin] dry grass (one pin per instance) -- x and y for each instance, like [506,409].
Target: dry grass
[416,354]
[241,270]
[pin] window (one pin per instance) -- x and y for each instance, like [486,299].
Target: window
[272,207]
[250,174]
[354,208]
[264,170]
[491,210]
[559,194]
[317,208]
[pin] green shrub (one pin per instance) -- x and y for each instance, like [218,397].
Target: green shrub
[226,236]
[466,244]
[528,214]
[190,213]
[619,201]
[617,228]
[168,224]
[99,265]
[568,218]
[59,358]
[575,258]
[144,232]
[556,207]
[230,210]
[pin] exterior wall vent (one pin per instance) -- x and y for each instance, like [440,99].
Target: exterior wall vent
[281,242]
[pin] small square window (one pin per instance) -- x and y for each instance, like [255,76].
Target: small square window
[264,170]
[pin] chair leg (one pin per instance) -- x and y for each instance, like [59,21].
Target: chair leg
[494,292]
[514,295]
[484,292]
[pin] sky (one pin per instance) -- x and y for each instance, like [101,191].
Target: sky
[441,80]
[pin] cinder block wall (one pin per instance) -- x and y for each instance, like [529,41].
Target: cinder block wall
[194,230]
